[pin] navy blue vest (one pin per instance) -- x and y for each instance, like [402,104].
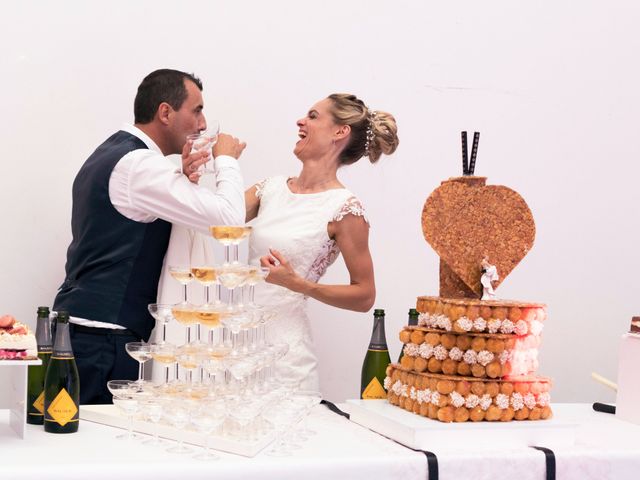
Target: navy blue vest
[113,263]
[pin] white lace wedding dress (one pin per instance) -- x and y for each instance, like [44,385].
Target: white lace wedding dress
[296,226]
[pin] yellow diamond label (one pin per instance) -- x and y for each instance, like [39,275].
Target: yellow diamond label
[39,403]
[62,409]
[374,390]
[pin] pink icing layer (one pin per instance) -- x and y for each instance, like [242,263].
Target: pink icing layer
[12,354]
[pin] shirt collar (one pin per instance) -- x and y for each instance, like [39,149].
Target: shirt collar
[133,130]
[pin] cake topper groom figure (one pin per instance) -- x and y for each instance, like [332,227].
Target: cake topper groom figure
[489,275]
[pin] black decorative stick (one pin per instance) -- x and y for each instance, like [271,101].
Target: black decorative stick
[465,154]
[474,152]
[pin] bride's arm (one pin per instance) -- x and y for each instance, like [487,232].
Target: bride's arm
[352,237]
[252,203]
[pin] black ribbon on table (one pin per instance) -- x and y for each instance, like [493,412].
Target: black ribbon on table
[332,406]
[432,460]
[432,464]
[604,408]
[550,461]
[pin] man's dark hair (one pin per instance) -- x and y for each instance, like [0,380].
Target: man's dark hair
[163,85]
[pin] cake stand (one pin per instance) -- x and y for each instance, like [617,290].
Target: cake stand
[17,406]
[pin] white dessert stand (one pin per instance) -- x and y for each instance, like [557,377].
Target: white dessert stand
[423,433]
[18,393]
[628,398]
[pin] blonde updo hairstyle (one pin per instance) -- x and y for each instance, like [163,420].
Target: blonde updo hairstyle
[379,127]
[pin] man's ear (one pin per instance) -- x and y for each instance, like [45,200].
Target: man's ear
[164,112]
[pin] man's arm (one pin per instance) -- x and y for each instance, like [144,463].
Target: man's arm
[144,186]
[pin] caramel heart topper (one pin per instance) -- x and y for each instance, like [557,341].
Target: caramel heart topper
[465,221]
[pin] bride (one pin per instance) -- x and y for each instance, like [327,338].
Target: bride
[301,224]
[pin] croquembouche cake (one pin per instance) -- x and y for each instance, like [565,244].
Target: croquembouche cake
[473,357]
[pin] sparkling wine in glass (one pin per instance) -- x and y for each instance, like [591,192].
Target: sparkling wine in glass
[229,235]
[204,141]
[165,354]
[182,274]
[185,315]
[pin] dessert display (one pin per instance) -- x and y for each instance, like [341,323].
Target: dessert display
[635,325]
[472,356]
[17,342]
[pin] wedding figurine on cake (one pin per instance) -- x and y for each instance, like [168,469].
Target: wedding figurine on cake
[489,275]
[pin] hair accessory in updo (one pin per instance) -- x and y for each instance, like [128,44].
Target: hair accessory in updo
[371,115]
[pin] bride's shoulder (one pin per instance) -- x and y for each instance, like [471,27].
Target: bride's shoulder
[350,205]
[272,183]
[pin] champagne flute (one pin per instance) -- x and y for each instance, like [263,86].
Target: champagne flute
[177,412]
[185,315]
[165,354]
[152,410]
[203,271]
[161,312]
[204,141]
[229,235]
[189,359]
[255,276]
[141,353]
[129,406]
[182,274]
[231,277]
[207,418]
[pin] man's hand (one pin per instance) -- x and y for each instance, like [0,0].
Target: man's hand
[192,161]
[228,145]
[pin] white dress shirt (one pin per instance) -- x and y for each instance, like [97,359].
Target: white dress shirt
[144,186]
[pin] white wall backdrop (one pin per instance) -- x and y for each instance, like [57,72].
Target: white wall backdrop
[552,86]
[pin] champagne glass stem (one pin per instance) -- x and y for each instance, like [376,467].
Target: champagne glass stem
[207,294]
[184,288]
[227,253]
[130,428]
[252,294]
[234,343]
[218,292]
[166,375]
[236,253]
[140,371]
[164,332]
[232,298]
[156,433]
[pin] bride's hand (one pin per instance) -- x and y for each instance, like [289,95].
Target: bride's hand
[280,271]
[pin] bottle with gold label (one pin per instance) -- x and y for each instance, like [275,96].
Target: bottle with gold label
[413,321]
[375,361]
[62,383]
[35,389]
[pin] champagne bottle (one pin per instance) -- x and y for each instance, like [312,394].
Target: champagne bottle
[62,383]
[375,361]
[413,321]
[35,389]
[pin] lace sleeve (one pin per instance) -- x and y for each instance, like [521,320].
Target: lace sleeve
[260,188]
[352,206]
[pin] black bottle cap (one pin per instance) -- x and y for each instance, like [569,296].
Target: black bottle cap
[63,317]
[378,312]
[43,311]
[413,312]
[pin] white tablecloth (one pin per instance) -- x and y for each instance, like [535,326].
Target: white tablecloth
[606,448]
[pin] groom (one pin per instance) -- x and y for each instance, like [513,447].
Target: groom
[125,198]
